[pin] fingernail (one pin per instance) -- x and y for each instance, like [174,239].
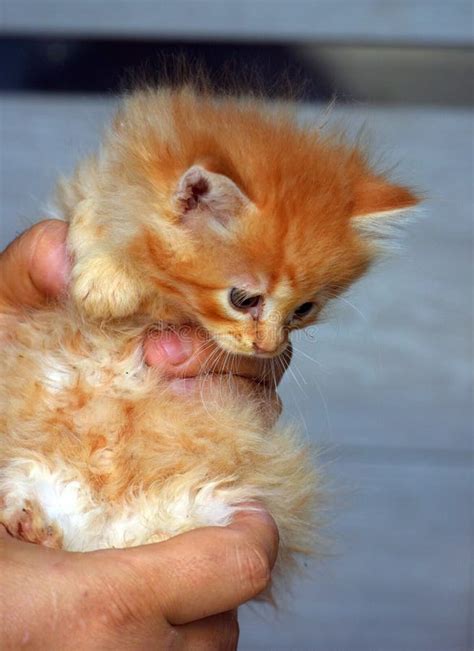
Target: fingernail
[52,259]
[174,350]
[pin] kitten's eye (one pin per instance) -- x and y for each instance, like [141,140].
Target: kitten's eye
[303,310]
[243,301]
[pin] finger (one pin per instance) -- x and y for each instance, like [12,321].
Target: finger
[4,533]
[34,267]
[215,633]
[210,570]
[189,353]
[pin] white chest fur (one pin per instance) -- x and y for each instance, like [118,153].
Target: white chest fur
[87,524]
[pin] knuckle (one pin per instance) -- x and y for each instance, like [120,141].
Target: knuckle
[233,634]
[230,631]
[254,569]
[116,602]
[115,613]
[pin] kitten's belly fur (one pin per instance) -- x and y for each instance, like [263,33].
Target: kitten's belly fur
[113,458]
[85,523]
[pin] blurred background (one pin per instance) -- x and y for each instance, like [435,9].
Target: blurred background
[384,388]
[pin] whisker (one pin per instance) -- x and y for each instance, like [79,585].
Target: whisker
[301,417]
[311,359]
[354,307]
[297,381]
[325,405]
[212,362]
[339,297]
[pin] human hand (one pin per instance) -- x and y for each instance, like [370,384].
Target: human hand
[179,594]
[35,269]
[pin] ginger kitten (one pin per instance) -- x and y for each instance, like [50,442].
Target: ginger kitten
[196,209]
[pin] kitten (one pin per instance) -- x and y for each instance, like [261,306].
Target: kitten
[197,209]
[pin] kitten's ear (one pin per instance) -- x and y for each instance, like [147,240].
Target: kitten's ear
[379,207]
[203,195]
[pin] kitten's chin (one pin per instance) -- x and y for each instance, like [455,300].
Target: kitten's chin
[213,384]
[219,390]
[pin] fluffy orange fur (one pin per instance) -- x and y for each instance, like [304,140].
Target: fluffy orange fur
[189,198]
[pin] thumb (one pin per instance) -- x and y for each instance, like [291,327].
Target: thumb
[34,267]
[206,571]
[190,352]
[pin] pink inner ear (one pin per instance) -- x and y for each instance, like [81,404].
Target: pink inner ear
[209,199]
[197,190]
[194,185]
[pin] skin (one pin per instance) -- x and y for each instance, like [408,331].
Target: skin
[179,594]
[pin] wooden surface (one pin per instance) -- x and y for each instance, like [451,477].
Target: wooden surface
[389,395]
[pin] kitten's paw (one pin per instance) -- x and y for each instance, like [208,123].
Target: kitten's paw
[103,290]
[30,524]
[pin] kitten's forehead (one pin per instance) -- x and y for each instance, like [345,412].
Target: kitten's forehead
[280,299]
[253,283]
[281,287]
[283,290]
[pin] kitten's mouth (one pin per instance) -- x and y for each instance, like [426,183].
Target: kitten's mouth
[268,355]
[184,384]
[256,351]
[190,384]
